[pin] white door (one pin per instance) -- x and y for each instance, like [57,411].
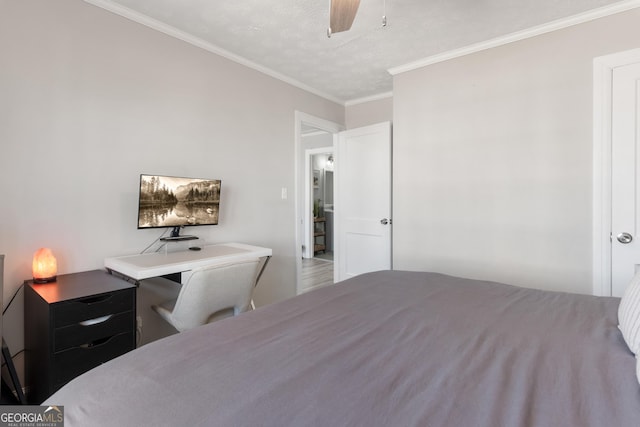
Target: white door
[363,201]
[625,193]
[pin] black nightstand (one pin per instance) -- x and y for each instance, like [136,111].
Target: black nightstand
[73,325]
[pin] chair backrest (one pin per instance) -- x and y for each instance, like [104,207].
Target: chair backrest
[212,289]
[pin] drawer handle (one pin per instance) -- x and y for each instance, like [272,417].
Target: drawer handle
[96,343]
[94,300]
[96,320]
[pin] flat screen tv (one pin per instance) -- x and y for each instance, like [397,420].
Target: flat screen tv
[171,201]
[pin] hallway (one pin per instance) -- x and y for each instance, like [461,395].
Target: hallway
[316,272]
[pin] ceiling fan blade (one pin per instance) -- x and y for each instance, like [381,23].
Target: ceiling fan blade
[343,12]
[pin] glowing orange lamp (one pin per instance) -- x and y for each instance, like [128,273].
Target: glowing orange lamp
[45,266]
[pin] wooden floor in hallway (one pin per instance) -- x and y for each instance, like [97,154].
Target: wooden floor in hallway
[316,272]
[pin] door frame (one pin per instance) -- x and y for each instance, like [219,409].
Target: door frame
[301,119]
[603,67]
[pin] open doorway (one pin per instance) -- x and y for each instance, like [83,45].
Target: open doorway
[317,263]
[315,140]
[322,206]
[318,211]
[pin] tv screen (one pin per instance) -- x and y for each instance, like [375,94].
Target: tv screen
[170,201]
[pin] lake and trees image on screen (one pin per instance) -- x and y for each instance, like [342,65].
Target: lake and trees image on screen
[174,201]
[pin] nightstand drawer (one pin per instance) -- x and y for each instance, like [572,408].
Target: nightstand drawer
[70,363]
[75,311]
[91,330]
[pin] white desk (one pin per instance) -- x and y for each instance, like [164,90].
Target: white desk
[145,266]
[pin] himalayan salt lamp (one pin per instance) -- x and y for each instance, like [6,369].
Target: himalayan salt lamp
[45,266]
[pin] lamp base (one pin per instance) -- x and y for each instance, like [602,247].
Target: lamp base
[44,279]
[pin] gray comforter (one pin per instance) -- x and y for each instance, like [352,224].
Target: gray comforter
[382,349]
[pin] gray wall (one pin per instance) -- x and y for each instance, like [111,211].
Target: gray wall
[369,113]
[89,100]
[493,159]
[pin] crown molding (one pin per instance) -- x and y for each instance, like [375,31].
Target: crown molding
[376,97]
[520,35]
[147,21]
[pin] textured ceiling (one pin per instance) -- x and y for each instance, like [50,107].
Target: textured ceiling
[288,37]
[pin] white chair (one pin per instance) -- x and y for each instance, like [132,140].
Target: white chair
[210,292]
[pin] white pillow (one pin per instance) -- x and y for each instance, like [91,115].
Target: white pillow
[629,315]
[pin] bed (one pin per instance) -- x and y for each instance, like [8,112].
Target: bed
[386,348]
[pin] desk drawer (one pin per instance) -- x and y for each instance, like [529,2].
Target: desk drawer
[92,330]
[81,309]
[70,363]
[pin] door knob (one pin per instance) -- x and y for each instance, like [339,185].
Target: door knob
[385,221]
[624,238]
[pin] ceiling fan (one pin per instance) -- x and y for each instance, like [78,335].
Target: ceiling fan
[343,12]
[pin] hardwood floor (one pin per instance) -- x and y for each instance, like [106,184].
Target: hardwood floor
[316,272]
